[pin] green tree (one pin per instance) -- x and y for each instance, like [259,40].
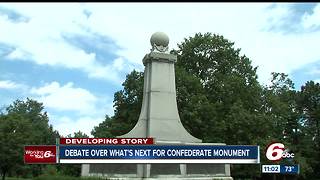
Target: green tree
[219,89]
[103,130]
[282,110]
[78,134]
[309,106]
[32,111]
[23,123]
[13,135]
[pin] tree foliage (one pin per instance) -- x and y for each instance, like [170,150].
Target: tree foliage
[23,123]
[309,141]
[227,87]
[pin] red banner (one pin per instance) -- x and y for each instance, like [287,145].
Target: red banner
[40,154]
[106,141]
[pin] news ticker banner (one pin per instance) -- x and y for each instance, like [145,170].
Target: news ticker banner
[159,154]
[105,141]
[280,169]
[138,150]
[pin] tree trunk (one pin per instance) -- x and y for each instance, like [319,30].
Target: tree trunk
[3,175]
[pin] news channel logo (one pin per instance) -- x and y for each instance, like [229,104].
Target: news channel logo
[276,151]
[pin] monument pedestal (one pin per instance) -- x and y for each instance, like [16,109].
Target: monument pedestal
[161,170]
[159,119]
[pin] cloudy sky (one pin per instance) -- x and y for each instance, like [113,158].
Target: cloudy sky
[74,56]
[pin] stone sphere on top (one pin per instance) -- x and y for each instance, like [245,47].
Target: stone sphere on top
[159,39]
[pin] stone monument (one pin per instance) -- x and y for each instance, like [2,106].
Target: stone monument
[159,119]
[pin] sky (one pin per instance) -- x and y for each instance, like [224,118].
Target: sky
[73,57]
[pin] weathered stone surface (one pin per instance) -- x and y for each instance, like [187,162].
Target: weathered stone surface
[159,117]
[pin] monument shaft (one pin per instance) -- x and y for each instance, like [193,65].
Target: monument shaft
[159,117]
